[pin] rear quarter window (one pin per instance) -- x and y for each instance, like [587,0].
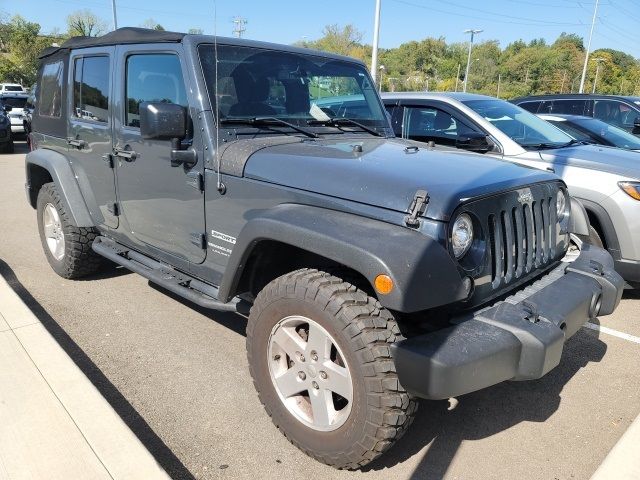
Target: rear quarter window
[51,89]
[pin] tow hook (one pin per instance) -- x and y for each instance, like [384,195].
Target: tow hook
[531,311]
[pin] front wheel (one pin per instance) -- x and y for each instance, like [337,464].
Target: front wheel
[319,355]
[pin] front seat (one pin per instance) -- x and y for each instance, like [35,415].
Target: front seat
[252,93]
[442,122]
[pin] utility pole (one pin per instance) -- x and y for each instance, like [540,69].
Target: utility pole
[622,87]
[595,80]
[586,58]
[376,38]
[499,80]
[564,79]
[457,77]
[115,18]
[466,75]
[239,26]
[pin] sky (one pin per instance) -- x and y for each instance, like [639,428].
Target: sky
[287,21]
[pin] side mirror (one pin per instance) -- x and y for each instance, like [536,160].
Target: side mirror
[163,121]
[636,122]
[474,142]
[8,108]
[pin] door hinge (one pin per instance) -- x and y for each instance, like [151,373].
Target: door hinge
[108,159]
[199,240]
[195,180]
[113,209]
[417,208]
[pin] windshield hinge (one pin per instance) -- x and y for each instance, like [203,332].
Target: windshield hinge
[417,208]
[195,180]
[199,240]
[113,209]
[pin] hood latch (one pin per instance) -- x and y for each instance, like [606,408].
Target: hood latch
[417,208]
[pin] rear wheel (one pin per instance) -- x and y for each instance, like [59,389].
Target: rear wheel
[66,246]
[319,355]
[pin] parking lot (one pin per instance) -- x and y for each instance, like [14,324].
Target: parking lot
[178,376]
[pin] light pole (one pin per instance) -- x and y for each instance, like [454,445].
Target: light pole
[466,75]
[376,35]
[586,58]
[595,80]
[382,70]
[457,78]
[499,81]
[115,18]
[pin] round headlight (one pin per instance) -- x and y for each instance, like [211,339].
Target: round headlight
[561,204]
[461,235]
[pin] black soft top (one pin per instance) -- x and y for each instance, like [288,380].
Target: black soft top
[121,36]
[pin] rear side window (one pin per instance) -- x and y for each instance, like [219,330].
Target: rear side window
[91,89]
[51,89]
[152,78]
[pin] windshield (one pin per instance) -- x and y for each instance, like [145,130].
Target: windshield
[14,102]
[13,88]
[521,126]
[298,88]
[618,137]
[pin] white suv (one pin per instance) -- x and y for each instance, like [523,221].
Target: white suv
[11,88]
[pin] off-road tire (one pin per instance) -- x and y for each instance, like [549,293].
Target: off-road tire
[79,259]
[364,330]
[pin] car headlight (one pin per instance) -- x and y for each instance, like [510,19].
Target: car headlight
[631,188]
[461,235]
[561,204]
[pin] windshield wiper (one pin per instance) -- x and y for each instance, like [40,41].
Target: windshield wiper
[549,146]
[341,121]
[257,121]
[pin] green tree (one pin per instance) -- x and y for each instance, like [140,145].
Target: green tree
[152,24]
[20,46]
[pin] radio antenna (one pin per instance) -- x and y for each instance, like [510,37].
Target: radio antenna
[219,185]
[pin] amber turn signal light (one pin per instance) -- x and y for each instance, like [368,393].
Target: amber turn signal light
[383,284]
[631,188]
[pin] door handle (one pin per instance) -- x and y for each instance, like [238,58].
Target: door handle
[128,155]
[75,142]
[551,169]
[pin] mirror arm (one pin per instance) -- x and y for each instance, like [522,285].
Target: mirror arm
[188,157]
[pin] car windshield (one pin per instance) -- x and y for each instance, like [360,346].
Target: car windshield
[521,126]
[620,138]
[13,88]
[300,89]
[14,102]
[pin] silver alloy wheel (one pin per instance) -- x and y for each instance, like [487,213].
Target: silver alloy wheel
[53,231]
[310,373]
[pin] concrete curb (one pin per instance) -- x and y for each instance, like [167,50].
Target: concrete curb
[623,461]
[55,424]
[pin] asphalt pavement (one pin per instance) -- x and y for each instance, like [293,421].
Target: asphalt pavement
[177,375]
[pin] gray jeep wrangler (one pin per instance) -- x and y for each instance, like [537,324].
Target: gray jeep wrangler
[262,178]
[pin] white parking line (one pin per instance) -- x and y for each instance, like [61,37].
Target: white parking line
[611,331]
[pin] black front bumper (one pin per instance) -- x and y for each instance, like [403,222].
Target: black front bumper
[519,338]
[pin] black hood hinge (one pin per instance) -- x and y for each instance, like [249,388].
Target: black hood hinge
[417,208]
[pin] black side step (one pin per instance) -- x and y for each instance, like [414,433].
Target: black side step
[177,282]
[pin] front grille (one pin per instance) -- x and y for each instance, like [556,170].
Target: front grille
[522,238]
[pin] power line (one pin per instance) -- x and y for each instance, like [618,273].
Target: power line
[493,20]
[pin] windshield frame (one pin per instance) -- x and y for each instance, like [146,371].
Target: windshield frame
[562,139]
[377,119]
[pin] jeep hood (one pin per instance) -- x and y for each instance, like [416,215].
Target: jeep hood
[596,157]
[384,173]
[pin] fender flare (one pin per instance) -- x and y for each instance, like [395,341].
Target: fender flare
[423,272]
[62,175]
[579,221]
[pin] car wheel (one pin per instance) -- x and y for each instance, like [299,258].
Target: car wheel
[66,246]
[319,354]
